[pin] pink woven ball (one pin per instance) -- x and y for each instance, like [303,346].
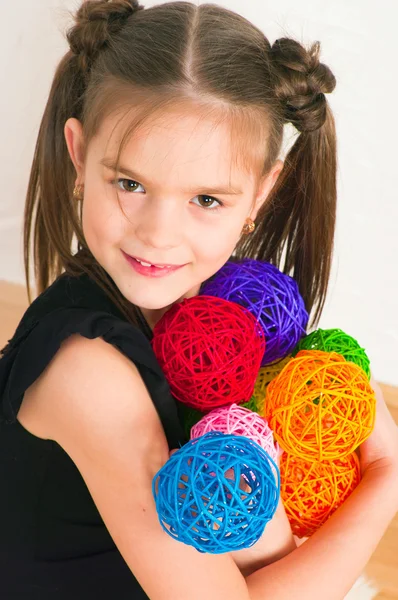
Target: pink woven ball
[238,420]
[210,350]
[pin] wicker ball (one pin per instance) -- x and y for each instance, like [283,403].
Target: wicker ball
[210,351]
[335,340]
[271,296]
[251,405]
[265,376]
[237,420]
[320,407]
[217,493]
[312,491]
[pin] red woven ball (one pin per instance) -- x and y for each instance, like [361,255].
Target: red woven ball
[210,351]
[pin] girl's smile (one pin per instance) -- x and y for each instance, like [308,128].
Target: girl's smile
[148,269]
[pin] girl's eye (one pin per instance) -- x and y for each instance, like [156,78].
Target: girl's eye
[208,202]
[127,185]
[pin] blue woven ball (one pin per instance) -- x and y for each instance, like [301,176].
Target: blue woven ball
[270,295]
[200,501]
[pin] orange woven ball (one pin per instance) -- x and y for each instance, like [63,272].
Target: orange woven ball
[265,376]
[312,491]
[320,407]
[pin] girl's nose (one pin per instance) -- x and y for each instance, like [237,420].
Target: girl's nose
[160,225]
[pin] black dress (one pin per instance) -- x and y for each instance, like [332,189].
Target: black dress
[53,542]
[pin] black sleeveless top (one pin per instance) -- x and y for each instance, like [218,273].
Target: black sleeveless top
[53,542]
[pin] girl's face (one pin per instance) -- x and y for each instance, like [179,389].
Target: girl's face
[182,206]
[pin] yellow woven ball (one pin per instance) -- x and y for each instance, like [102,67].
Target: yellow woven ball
[265,376]
[320,407]
[312,491]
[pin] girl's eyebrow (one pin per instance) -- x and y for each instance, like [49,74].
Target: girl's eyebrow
[110,164]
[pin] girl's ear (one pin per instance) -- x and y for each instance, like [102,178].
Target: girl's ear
[73,131]
[266,185]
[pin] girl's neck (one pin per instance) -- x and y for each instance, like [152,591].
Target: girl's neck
[153,315]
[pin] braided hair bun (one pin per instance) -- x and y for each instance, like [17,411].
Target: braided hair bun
[301,83]
[96,22]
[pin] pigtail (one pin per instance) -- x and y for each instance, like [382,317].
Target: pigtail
[47,219]
[295,229]
[52,217]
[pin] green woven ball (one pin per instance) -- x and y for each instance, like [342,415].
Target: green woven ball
[188,416]
[336,340]
[252,405]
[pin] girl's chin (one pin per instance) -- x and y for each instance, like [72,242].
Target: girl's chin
[149,295]
[151,303]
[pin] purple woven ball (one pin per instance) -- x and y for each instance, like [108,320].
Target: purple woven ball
[270,295]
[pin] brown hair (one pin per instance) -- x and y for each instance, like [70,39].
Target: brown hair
[121,54]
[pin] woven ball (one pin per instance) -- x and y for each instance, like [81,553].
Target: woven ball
[335,340]
[320,407]
[312,491]
[251,405]
[210,351]
[265,376]
[270,295]
[199,504]
[237,420]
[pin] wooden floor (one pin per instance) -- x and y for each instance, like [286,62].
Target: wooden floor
[383,566]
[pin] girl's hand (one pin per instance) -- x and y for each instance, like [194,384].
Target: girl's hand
[380,450]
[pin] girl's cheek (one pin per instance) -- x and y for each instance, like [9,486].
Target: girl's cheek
[214,255]
[219,240]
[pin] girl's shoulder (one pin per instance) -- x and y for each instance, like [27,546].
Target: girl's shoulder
[104,420]
[66,292]
[76,305]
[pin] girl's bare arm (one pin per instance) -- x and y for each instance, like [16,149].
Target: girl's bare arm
[276,542]
[380,449]
[105,420]
[329,562]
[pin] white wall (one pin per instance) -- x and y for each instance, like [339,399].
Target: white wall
[358,42]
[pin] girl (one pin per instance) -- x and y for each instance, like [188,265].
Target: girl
[157,155]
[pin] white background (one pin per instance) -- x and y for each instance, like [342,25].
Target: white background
[358,42]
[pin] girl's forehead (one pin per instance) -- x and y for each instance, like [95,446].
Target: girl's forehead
[182,128]
[181,138]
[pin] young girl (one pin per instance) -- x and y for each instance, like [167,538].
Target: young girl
[157,155]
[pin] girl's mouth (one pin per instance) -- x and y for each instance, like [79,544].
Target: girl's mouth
[148,269]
